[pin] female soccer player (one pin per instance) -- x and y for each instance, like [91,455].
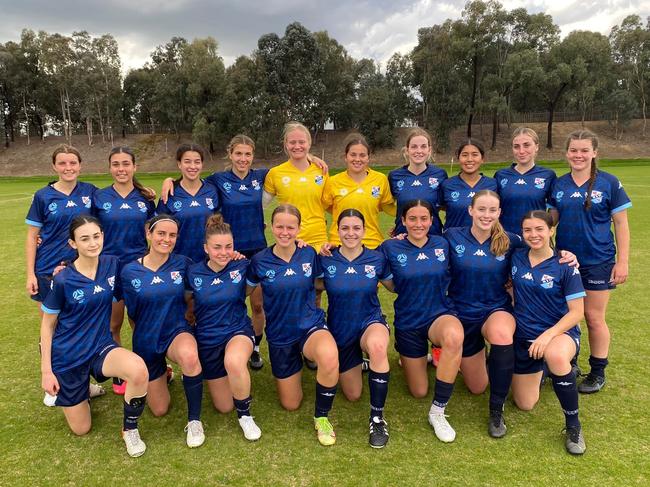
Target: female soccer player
[586,201]
[123,208]
[548,307]
[458,191]
[524,186]
[423,312]
[300,182]
[294,324]
[350,277]
[50,214]
[223,330]
[192,203]
[359,187]
[76,338]
[154,293]
[417,180]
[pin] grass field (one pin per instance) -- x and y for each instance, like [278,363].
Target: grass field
[36,447]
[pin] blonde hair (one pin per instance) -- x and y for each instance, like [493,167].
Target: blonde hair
[585,134]
[500,240]
[526,131]
[416,132]
[216,226]
[290,127]
[239,139]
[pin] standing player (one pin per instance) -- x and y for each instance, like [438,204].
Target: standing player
[548,307]
[154,293]
[49,218]
[223,330]
[586,201]
[123,208]
[458,191]
[294,324]
[350,277]
[417,180]
[524,186]
[359,187]
[76,338]
[192,203]
[423,312]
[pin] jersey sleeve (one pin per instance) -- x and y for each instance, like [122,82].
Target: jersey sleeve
[549,187]
[385,273]
[269,183]
[441,194]
[572,283]
[35,215]
[162,208]
[252,278]
[387,202]
[318,268]
[55,300]
[551,202]
[620,200]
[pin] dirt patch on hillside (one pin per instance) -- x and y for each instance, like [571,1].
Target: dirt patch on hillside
[155,153]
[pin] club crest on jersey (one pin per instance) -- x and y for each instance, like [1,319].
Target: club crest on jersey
[331,270]
[433,183]
[440,254]
[70,204]
[286,180]
[235,276]
[318,180]
[176,277]
[306,268]
[137,284]
[142,206]
[209,204]
[256,184]
[227,187]
[547,281]
[401,258]
[78,295]
[540,183]
[513,271]
[460,250]
[177,205]
[111,282]
[455,195]
[52,207]
[343,191]
[270,275]
[596,197]
[369,271]
[500,258]
[559,195]
[86,201]
[400,185]
[504,182]
[375,192]
[107,207]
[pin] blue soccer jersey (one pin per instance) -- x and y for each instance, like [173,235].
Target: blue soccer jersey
[219,301]
[457,196]
[52,211]
[155,301]
[541,293]
[478,277]
[421,277]
[191,212]
[288,293]
[83,307]
[352,292]
[123,221]
[521,193]
[241,206]
[427,186]
[587,232]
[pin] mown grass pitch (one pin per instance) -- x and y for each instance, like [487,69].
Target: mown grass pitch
[36,447]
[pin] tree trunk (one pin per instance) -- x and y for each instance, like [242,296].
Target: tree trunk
[26,117]
[101,120]
[551,112]
[473,99]
[89,130]
[495,126]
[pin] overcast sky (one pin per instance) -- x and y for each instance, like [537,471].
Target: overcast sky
[374,29]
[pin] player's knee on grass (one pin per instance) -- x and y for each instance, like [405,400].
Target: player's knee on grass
[525,402]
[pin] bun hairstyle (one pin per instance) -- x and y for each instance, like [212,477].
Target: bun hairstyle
[286,208]
[586,135]
[80,220]
[216,226]
[351,212]
[541,215]
[415,133]
[122,149]
[500,241]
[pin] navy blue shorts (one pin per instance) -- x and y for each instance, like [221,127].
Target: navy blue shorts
[287,360]
[525,364]
[351,355]
[250,253]
[44,287]
[596,277]
[415,343]
[74,383]
[473,341]
[157,362]
[211,358]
